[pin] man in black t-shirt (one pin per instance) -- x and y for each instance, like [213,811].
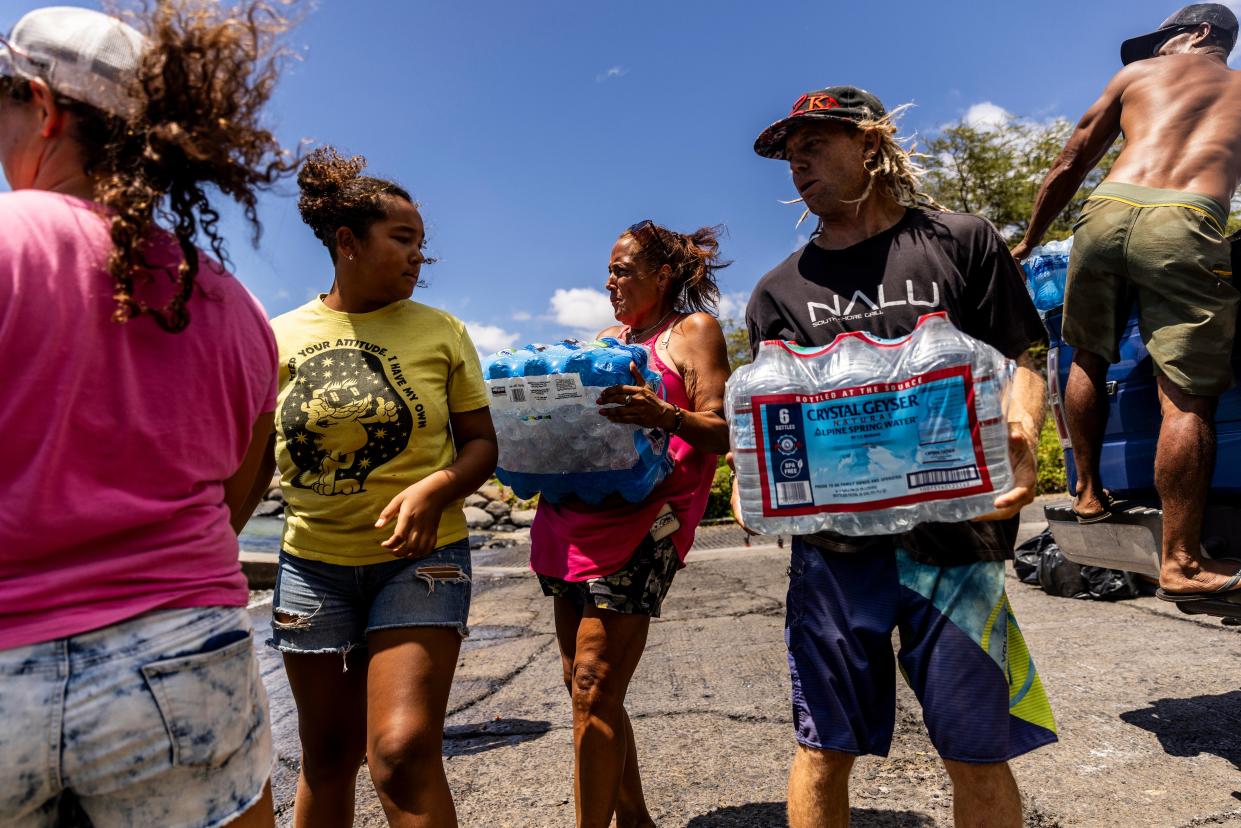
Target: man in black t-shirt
[879,260]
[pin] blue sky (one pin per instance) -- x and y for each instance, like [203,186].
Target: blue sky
[533,133]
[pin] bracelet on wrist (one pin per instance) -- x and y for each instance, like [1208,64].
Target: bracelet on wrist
[678,417]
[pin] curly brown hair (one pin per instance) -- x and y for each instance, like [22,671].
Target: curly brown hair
[204,79]
[335,194]
[694,259]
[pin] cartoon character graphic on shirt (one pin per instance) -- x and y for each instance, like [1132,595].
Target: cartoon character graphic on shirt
[341,420]
[336,413]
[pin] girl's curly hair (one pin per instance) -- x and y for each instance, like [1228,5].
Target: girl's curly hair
[204,79]
[335,194]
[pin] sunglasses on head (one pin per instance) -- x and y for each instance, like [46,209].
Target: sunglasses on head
[647,224]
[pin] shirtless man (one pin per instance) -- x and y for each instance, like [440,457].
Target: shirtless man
[1155,230]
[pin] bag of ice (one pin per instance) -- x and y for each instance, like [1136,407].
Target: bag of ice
[553,441]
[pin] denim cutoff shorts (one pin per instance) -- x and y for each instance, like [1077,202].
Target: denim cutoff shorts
[158,720]
[333,607]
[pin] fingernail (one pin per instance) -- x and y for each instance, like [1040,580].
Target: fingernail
[380,522]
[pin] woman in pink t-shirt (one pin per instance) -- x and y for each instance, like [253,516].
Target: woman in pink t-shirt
[137,372]
[608,567]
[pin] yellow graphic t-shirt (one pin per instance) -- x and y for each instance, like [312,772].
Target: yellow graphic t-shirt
[362,414]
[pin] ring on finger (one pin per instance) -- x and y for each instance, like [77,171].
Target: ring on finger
[628,399]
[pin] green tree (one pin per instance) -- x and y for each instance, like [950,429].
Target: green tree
[995,172]
[737,338]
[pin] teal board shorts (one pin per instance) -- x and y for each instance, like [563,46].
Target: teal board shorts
[961,652]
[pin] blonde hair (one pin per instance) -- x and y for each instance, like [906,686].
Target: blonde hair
[894,164]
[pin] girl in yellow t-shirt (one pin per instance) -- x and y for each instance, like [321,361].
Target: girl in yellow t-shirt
[382,427]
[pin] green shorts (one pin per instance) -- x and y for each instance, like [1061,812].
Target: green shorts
[1168,249]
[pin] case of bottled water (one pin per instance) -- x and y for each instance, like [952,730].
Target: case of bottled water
[867,436]
[552,439]
[1047,268]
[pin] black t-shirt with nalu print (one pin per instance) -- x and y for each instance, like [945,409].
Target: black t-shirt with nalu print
[929,261]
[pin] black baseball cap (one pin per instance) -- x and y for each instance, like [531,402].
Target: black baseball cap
[836,103]
[1220,17]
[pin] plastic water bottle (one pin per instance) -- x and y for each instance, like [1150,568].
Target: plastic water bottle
[1047,268]
[502,365]
[552,439]
[867,436]
[770,373]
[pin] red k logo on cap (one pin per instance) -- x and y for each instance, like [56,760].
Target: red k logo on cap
[813,103]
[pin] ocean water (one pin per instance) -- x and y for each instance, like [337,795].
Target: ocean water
[261,534]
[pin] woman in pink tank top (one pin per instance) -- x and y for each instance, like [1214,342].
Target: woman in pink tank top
[609,566]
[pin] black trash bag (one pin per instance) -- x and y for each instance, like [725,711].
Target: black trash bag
[1040,562]
[1027,556]
[1110,584]
[1059,576]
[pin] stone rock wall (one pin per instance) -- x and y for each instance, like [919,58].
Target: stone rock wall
[494,515]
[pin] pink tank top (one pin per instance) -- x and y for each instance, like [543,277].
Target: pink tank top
[576,541]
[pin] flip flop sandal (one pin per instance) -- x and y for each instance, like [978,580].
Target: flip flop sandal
[1096,517]
[1229,587]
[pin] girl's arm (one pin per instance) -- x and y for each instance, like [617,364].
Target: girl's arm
[417,510]
[244,490]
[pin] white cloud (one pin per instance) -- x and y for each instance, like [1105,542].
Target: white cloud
[987,115]
[582,309]
[732,305]
[522,316]
[490,338]
[584,312]
[611,73]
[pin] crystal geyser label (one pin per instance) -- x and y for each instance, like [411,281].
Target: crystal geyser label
[871,446]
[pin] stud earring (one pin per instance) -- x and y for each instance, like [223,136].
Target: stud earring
[351,257]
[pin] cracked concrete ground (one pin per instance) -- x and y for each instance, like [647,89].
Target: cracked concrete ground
[1147,701]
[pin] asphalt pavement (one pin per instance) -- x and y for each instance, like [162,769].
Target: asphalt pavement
[1147,701]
